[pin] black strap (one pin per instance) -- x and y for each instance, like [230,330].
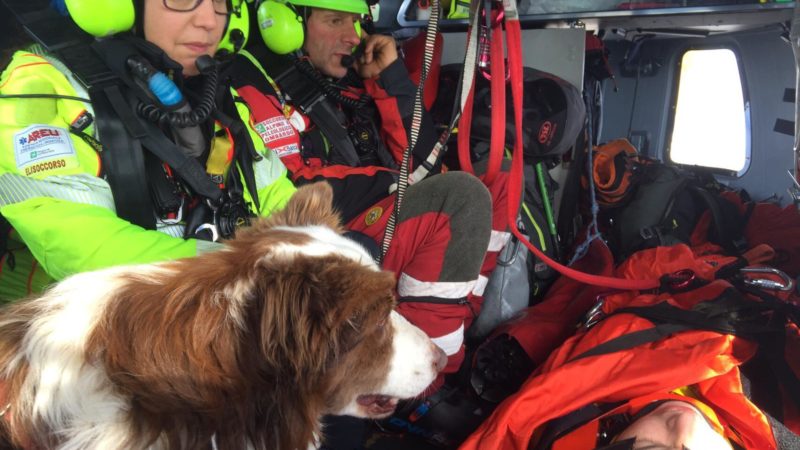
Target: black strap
[730,313]
[434,300]
[245,154]
[635,339]
[308,97]
[557,428]
[727,223]
[122,157]
[5,230]
[189,169]
[323,114]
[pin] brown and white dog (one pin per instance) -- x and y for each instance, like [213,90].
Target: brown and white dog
[246,347]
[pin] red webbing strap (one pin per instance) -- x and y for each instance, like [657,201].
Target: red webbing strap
[498,84]
[514,37]
[464,124]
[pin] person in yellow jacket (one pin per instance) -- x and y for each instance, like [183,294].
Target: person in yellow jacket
[65,208]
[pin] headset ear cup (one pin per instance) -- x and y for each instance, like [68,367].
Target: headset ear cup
[101,17]
[358,28]
[237,31]
[280,26]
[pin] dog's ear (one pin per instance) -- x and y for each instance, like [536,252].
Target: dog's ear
[316,309]
[312,204]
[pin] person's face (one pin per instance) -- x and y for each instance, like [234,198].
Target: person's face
[329,36]
[184,36]
[674,425]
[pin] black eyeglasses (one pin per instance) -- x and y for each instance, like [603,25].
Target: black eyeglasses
[222,7]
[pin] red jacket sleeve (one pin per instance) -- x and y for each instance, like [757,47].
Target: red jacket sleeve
[394,94]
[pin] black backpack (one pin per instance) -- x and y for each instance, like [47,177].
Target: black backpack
[553,113]
[665,207]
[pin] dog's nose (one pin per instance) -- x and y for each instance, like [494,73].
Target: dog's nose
[439,357]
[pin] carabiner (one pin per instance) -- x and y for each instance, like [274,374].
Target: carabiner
[765,283]
[595,314]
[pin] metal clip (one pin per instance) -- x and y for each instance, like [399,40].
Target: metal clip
[766,283]
[595,314]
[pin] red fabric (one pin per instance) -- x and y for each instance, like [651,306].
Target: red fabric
[498,85]
[791,412]
[414,49]
[778,227]
[708,361]
[393,131]
[464,127]
[417,249]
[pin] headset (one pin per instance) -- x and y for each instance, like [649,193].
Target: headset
[282,27]
[101,18]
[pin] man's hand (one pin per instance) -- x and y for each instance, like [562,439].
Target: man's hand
[379,52]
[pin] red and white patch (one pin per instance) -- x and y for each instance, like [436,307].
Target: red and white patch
[274,129]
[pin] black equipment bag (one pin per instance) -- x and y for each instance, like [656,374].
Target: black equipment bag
[666,206]
[553,113]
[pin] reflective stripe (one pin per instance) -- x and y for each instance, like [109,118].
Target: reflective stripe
[171,229]
[207,246]
[451,343]
[409,286]
[80,188]
[498,240]
[268,169]
[480,285]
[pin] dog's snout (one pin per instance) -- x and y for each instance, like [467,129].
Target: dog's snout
[439,357]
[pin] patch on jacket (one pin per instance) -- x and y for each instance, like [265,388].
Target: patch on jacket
[43,148]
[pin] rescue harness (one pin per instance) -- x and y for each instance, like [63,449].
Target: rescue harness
[134,117]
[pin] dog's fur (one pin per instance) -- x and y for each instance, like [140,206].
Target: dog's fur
[247,346]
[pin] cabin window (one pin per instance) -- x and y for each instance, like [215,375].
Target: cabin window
[711,124]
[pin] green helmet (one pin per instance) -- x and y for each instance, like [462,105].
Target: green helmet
[351,6]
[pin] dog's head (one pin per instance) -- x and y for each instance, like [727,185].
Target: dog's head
[289,322]
[328,314]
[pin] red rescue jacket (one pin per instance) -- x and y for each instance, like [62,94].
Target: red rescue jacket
[706,361]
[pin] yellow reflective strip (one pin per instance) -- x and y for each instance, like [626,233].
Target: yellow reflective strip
[535,225]
[219,156]
[81,188]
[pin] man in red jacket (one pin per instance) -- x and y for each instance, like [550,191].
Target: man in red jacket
[344,117]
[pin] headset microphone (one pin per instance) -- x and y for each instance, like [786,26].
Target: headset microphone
[349,60]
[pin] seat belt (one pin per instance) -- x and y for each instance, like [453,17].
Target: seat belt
[308,97]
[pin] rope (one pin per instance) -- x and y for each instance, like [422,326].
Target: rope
[466,79]
[416,123]
[592,232]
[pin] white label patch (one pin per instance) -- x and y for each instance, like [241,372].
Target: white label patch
[286,150]
[39,144]
[274,128]
[297,121]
